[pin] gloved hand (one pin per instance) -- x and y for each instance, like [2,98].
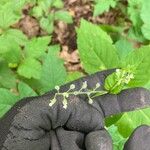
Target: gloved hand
[33,125]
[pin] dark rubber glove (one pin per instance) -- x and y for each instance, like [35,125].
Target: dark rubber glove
[139,140]
[33,125]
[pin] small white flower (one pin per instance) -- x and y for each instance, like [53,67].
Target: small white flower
[98,85]
[118,72]
[72,86]
[52,102]
[66,95]
[84,86]
[90,101]
[57,88]
[75,93]
[65,103]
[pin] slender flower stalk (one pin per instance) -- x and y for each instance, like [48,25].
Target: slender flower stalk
[91,93]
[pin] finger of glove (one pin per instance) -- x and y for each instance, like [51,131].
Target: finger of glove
[127,100]
[139,140]
[98,140]
[67,140]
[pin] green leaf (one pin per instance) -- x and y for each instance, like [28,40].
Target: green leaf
[3,109]
[63,16]
[146,31]
[124,47]
[58,3]
[112,120]
[118,139]
[30,68]
[7,16]
[13,56]
[47,24]
[7,78]
[36,47]
[95,48]
[53,73]
[10,39]
[145,18]
[145,7]
[7,100]
[135,33]
[25,90]
[45,5]
[73,76]
[15,36]
[131,120]
[104,5]
[134,10]
[138,61]
[37,12]
[5,45]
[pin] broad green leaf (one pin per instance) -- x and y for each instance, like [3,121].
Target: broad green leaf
[30,68]
[58,3]
[103,6]
[145,7]
[95,48]
[7,100]
[13,56]
[47,24]
[139,63]
[7,16]
[73,76]
[36,47]
[147,85]
[3,109]
[131,120]
[53,73]
[145,18]
[54,48]
[7,78]
[135,33]
[124,47]
[15,36]
[11,38]
[118,139]
[134,9]
[45,5]
[146,31]
[118,80]
[63,16]
[25,90]
[5,45]
[37,12]
[112,120]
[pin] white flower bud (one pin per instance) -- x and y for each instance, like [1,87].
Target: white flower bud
[52,102]
[65,103]
[66,95]
[72,86]
[57,88]
[90,101]
[84,86]
[98,85]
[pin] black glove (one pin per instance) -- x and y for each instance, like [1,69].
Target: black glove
[33,125]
